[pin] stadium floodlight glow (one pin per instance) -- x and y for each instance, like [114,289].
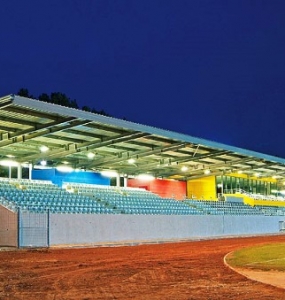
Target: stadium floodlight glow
[131,161]
[8,163]
[184,169]
[109,173]
[145,177]
[90,155]
[64,168]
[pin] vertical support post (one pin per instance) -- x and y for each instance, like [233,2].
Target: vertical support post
[19,173]
[18,228]
[30,171]
[118,180]
[48,232]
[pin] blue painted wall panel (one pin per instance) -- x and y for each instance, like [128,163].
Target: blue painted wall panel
[58,177]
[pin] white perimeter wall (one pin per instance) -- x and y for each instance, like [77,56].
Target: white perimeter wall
[79,229]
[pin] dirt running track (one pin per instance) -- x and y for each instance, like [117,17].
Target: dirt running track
[187,270]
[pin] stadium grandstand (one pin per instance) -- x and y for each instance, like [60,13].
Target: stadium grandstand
[71,177]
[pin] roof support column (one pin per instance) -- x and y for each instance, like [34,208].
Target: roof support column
[30,171]
[118,180]
[19,172]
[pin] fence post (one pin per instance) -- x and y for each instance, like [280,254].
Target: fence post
[48,233]
[18,228]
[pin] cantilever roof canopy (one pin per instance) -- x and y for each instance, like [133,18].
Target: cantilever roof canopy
[90,141]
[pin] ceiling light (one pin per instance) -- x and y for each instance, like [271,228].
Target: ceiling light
[184,169]
[44,148]
[206,172]
[131,160]
[90,155]
[43,162]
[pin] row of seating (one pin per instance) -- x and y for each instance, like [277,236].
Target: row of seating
[256,196]
[40,196]
[235,208]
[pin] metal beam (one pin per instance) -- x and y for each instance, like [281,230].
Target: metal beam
[141,153]
[87,146]
[43,129]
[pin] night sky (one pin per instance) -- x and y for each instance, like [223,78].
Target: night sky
[210,69]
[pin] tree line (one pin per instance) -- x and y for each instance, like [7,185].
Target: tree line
[61,99]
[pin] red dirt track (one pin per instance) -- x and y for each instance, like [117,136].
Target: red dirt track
[186,270]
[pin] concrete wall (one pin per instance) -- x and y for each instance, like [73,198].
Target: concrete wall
[95,229]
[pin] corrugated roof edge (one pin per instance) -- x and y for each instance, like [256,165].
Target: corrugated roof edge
[77,113]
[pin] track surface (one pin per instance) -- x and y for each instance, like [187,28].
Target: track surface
[187,270]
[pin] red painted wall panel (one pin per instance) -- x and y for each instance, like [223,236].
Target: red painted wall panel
[161,187]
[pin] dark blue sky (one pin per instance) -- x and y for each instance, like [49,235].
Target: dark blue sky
[211,69]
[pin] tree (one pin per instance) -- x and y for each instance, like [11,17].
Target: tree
[24,93]
[86,108]
[60,99]
[44,97]
[73,104]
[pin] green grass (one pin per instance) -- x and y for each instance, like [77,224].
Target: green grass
[265,257]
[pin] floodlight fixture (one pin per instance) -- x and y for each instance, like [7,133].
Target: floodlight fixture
[90,155]
[43,162]
[44,148]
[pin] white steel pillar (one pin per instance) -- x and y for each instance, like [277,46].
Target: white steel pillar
[19,172]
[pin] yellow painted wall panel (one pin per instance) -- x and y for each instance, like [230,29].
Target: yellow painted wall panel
[202,188]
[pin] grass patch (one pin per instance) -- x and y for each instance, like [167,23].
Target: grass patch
[266,257]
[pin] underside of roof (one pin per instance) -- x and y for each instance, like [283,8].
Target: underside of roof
[90,141]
